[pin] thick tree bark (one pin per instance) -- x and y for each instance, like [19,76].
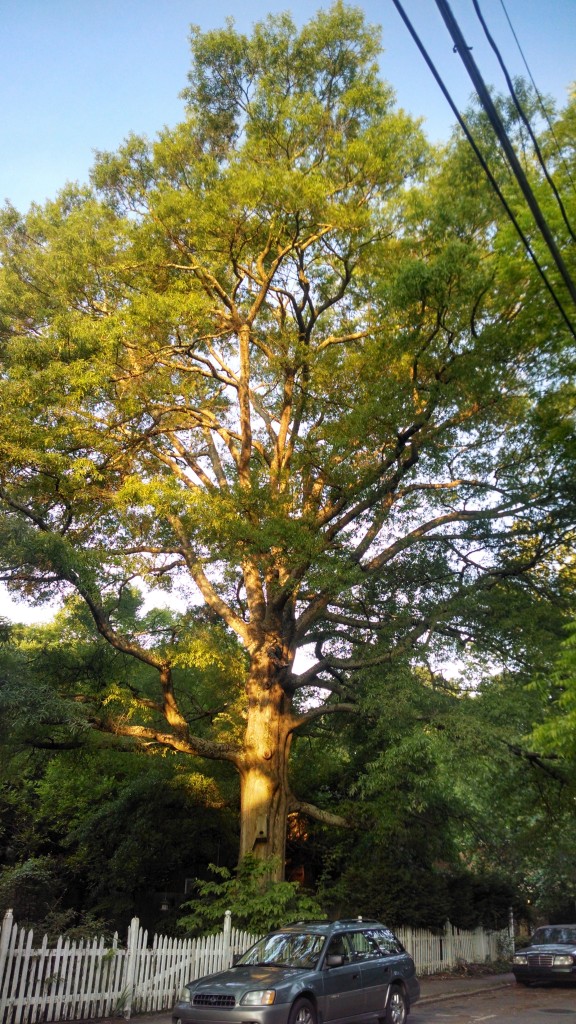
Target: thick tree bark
[265,791]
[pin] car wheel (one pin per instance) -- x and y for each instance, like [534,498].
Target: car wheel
[396,1009]
[302,1012]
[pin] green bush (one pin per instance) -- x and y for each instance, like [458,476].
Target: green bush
[256,903]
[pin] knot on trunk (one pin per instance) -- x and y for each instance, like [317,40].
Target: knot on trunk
[277,664]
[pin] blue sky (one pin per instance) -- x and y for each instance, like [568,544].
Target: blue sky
[79,75]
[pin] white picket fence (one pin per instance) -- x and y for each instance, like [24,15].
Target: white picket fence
[434,952]
[80,980]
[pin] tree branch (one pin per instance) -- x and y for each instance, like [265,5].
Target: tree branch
[325,709]
[326,817]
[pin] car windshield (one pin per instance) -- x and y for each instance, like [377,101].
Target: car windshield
[286,949]
[564,935]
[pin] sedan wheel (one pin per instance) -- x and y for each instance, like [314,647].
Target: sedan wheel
[302,1013]
[396,1010]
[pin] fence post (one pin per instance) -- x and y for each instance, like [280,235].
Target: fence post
[448,945]
[227,939]
[7,925]
[511,932]
[131,963]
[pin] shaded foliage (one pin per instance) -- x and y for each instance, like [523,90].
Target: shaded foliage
[255,902]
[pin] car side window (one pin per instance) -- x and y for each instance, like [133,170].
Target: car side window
[364,946]
[339,946]
[386,941]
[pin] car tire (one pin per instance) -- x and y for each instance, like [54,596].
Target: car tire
[302,1012]
[396,1007]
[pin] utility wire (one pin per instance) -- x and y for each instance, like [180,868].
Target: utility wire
[489,107]
[484,165]
[524,118]
[545,113]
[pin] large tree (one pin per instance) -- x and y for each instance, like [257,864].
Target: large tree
[277,361]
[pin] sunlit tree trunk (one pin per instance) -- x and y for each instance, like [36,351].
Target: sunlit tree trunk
[265,792]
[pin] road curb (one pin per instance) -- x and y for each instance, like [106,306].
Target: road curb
[442,997]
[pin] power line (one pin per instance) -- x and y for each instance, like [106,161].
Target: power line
[484,165]
[524,118]
[543,109]
[494,117]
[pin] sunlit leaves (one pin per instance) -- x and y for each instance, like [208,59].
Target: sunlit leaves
[283,361]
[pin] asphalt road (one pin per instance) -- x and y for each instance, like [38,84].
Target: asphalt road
[511,1005]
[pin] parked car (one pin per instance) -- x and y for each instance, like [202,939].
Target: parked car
[551,956]
[308,972]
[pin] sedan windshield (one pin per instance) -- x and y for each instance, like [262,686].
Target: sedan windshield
[286,949]
[561,934]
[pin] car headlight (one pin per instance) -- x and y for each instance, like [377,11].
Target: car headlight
[260,997]
[520,958]
[562,960]
[185,995]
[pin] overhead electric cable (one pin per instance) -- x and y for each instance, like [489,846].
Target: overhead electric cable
[524,118]
[543,108]
[545,113]
[520,50]
[494,117]
[484,165]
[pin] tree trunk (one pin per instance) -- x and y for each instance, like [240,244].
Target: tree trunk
[265,793]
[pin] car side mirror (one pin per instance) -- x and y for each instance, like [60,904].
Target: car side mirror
[334,960]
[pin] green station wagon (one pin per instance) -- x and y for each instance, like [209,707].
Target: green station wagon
[309,973]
